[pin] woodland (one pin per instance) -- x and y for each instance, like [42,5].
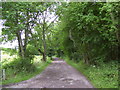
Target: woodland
[85,34]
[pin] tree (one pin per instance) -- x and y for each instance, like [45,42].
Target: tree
[43,26]
[18,21]
[89,31]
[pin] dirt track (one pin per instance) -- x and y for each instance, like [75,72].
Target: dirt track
[57,75]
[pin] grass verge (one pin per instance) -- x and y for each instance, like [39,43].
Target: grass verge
[12,77]
[104,76]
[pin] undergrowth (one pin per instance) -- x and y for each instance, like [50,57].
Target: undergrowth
[103,76]
[14,75]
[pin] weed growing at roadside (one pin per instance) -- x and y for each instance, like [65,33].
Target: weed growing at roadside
[103,76]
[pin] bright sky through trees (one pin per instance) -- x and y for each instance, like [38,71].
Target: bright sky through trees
[50,18]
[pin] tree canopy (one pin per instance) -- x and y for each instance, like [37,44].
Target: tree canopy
[86,31]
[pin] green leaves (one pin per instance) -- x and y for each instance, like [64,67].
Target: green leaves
[92,29]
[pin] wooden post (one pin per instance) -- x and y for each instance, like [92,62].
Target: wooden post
[3,76]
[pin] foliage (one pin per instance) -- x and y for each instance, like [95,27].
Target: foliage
[21,20]
[23,64]
[31,51]
[9,51]
[14,77]
[103,76]
[90,34]
[19,64]
[85,32]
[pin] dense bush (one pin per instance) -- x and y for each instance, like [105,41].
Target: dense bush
[19,64]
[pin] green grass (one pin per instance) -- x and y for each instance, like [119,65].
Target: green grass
[104,76]
[13,77]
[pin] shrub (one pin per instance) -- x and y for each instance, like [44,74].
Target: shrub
[19,64]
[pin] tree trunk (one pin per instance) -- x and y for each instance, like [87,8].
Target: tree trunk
[18,34]
[86,59]
[70,36]
[86,51]
[25,42]
[44,42]
[21,49]
[26,33]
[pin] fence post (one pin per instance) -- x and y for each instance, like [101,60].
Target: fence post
[3,74]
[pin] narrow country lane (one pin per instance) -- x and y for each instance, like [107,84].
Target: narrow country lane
[57,75]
